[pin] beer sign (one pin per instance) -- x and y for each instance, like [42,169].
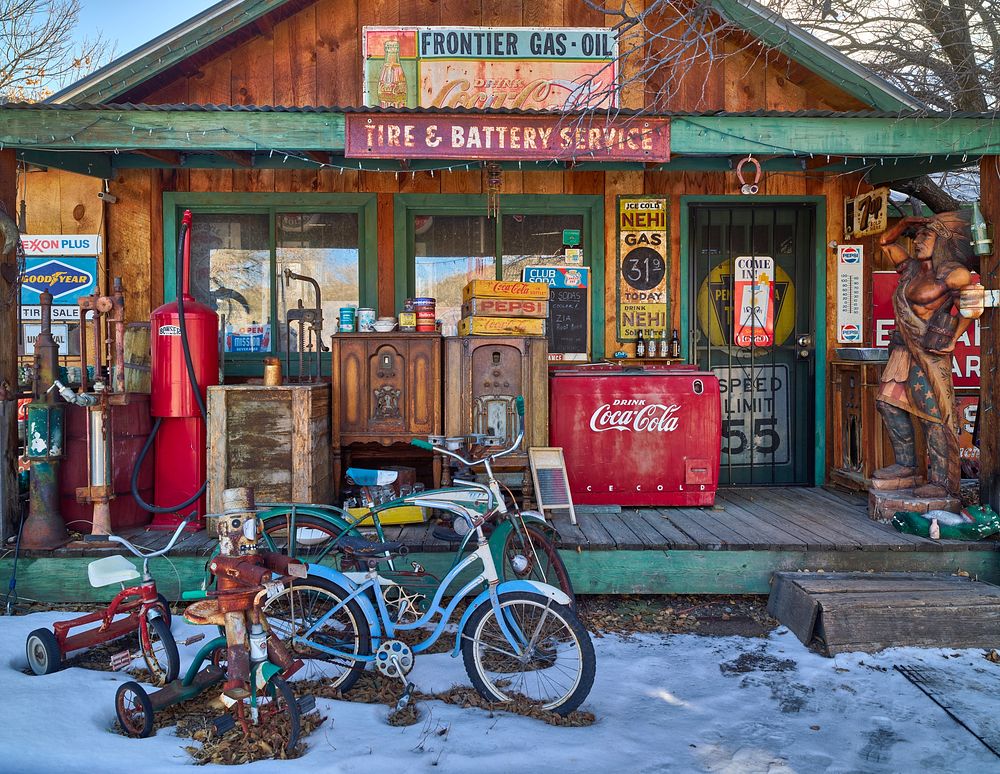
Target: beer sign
[642,267]
[753,324]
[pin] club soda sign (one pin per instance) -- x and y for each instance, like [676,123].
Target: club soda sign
[635,415]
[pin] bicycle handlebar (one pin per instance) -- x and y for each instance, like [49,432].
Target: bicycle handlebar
[170,543]
[519,406]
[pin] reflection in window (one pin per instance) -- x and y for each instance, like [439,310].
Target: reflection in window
[534,240]
[450,251]
[323,246]
[231,271]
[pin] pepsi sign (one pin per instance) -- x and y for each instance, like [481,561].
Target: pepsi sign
[850,254]
[65,278]
[849,333]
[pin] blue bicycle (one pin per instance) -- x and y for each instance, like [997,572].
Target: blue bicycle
[519,639]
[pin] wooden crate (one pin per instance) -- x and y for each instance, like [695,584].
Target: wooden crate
[274,439]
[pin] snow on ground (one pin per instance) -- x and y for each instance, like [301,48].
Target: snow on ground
[663,703]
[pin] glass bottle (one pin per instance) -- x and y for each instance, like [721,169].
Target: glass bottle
[664,349]
[392,80]
[640,346]
[675,344]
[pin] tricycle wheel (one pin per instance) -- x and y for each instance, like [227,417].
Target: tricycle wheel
[42,650]
[134,710]
[279,713]
[159,649]
[165,607]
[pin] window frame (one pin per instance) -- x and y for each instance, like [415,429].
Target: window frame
[589,207]
[273,204]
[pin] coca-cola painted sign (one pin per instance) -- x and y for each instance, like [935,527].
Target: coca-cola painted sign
[520,68]
[635,415]
[506,137]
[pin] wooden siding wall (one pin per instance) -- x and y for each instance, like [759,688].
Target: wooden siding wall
[314,58]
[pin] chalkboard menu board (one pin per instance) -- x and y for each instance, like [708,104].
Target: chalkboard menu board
[568,325]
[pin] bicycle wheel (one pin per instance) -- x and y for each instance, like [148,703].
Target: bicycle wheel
[555,667]
[294,610]
[279,714]
[529,554]
[315,535]
[159,650]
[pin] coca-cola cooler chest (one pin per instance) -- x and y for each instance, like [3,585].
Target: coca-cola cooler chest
[637,435]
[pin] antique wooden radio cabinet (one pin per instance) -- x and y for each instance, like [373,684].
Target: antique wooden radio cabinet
[483,377]
[386,390]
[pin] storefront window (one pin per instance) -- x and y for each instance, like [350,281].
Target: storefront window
[533,240]
[323,246]
[449,251]
[240,248]
[231,271]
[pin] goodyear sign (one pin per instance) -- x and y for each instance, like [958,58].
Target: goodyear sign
[65,278]
[64,265]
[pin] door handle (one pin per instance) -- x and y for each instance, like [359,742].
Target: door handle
[804,346]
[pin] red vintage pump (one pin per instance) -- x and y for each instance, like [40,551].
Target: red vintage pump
[185,361]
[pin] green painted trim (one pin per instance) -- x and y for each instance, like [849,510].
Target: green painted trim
[364,204]
[908,168]
[590,207]
[814,54]
[819,454]
[190,130]
[161,53]
[64,579]
[39,129]
[89,164]
[802,136]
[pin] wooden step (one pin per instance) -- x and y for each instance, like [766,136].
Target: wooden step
[841,612]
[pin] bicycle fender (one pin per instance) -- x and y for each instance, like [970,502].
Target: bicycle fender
[335,576]
[534,587]
[499,535]
[537,518]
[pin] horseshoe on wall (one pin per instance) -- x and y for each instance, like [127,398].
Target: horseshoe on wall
[745,187]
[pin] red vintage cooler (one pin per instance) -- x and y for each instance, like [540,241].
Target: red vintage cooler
[647,435]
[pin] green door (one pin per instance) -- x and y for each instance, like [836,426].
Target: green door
[768,410]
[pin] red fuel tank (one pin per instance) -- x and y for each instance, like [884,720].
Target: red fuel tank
[170,392]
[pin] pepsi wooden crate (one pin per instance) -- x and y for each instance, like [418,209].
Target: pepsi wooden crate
[506,307]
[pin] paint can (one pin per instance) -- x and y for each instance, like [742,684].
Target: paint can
[425,310]
[347,319]
[366,320]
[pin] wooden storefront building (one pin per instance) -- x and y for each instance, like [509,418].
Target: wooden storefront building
[243,114]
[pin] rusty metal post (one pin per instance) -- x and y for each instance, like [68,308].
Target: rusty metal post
[44,527]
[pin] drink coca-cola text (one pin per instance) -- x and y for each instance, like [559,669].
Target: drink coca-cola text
[635,415]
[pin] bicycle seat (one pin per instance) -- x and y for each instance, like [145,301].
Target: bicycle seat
[367,549]
[369,477]
[111,569]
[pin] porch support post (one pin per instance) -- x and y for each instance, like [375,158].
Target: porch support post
[989,390]
[9,500]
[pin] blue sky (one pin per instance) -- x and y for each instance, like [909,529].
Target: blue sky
[129,25]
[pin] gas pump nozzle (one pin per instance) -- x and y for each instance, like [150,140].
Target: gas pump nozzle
[77,399]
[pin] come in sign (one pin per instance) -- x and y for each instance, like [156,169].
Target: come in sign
[753,312]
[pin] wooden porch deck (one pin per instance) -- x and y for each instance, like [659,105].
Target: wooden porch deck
[734,547]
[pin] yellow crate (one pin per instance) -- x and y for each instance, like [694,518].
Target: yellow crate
[408,514]
[504,289]
[500,326]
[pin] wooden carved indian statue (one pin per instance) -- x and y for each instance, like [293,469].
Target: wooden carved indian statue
[916,384]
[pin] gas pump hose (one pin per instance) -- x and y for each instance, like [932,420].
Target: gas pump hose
[189,363]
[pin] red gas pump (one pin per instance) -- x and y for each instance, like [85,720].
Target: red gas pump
[185,361]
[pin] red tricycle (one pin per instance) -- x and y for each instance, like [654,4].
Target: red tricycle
[136,608]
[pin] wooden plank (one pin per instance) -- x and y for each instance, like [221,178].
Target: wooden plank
[624,537]
[835,539]
[597,536]
[838,582]
[386,255]
[796,536]
[129,238]
[793,606]
[593,572]
[766,535]
[570,535]
[925,620]
[673,536]
[647,535]
[708,532]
